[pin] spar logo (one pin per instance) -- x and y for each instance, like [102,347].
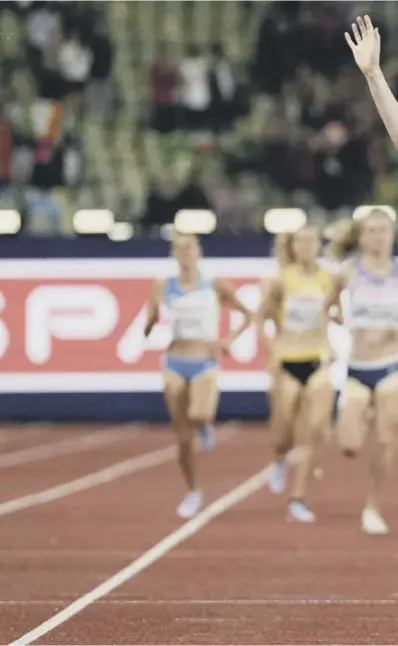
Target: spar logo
[98,326]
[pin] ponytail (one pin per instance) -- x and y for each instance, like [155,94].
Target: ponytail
[344,239]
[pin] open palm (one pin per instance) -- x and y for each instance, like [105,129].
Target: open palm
[365,45]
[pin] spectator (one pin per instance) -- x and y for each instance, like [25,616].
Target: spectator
[280,47]
[192,195]
[99,90]
[5,148]
[75,61]
[50,82]
[195,90]
[326,50]
[236,201]
[342,172]
[164,81]
[223,89]
[160,206]
[40,26]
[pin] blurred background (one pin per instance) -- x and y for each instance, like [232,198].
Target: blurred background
[145,108]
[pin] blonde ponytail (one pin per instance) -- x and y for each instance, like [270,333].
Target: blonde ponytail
[344,240]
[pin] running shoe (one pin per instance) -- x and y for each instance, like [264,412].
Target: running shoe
[191,505]
[277,477]
[298,511]
[373,523]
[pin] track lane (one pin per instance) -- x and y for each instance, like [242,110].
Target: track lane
[291,584]
[25,479]
[124,516]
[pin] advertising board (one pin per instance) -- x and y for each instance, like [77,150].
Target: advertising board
[77,325]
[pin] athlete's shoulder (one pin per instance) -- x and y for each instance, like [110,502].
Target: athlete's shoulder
[290,276]
[286,272]
[169,286]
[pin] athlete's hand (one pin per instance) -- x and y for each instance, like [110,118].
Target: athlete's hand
[365,45]
[328,357]
[221,346]
[224,346]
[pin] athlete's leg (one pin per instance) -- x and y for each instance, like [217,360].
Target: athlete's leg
[201,404]
[285,395]
[352,424]
[386,426]
[314,416]
[177,399]
[203,398]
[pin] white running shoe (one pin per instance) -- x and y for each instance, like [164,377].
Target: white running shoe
[317,473]
[297,510]
[277,477]
[373,523]
[191,505]
[206,436]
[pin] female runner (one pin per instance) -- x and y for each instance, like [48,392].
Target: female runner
[301,390]
[266,334]
[370,276]
[190,367]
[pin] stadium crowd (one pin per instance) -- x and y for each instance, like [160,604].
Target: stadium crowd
[292,124]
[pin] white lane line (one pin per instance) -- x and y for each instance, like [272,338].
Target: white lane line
[209,602]
[224,555]
[221,505]
[71,445]
[108,474]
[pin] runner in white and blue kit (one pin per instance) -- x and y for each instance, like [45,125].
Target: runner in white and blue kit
[190,365]
[370,279]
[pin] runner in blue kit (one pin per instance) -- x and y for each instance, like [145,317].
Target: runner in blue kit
[191,363]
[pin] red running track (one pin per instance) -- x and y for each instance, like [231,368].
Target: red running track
[244,577]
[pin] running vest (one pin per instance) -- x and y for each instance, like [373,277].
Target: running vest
[302,307]
[373,298]
[193,313]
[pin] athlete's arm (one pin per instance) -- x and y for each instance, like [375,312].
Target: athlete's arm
[154,306]
[365,46]
[332,300]
[228,298]
[270,301]
[269,308]
[270,290]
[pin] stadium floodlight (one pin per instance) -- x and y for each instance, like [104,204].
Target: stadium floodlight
[284,220]
[93,221]
[121,231]
[10,222]
[364,210]
[196,221]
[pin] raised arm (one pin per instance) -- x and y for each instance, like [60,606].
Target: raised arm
[365,46]
[153,306]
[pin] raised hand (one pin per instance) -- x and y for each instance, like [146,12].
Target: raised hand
[365,45]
